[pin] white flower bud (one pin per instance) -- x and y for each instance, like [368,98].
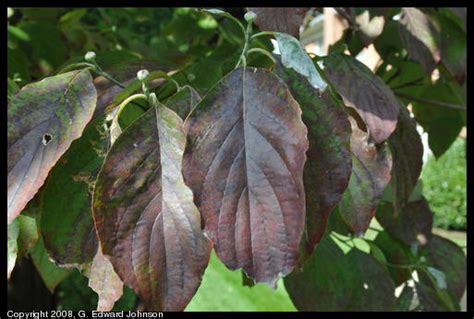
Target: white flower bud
[142,74]
[90,56]
[250,16]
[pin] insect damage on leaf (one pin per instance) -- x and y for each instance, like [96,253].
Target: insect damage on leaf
[51,113]
[244,162]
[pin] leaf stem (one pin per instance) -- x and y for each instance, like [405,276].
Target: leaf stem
[431,102]
[259,34]
[262,51]
[74,66]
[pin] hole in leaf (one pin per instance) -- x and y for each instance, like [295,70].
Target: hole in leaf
[46,139]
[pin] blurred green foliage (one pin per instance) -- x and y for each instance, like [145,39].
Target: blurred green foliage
[444,186]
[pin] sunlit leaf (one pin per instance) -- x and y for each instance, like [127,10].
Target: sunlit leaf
[419,34]
[12,250]
[294,56]
[366,93]
[144,214]
[244,160]
[43,119]
[104,281]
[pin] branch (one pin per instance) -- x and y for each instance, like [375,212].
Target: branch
[427,101]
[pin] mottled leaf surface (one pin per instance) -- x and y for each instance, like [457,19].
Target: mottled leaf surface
[183,101]
[329,165]
[419,34]
[407,154]
[43,119]
[294,56]
[411,225]
[67,226]
[145,216]
[287,20]
[244,161]
[371,166]
[105,282]
[366,93]
[333,281]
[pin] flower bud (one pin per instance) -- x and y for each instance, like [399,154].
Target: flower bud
[90,56]
[142,74]
[250,16]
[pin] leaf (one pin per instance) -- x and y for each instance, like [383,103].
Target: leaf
[396,253]
[28,234]
[43,119]
[412,225]
[441,123]
[244,161]
[294,56]
[67,226]
[146,221]
[246,281]
[362,90]
[371,166]
[332,281]
[286,20]
[419,34]
[328,168]
[12,249]
[105,282]
[447,257]
[183,101]
[407,154]
[453,48]
[369,22]
[51,274]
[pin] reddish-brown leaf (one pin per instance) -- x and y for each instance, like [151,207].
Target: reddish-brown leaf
[43,120]
[145,217]
[244,161]
[371,166]
[287,20]
[362,90]
[328,168]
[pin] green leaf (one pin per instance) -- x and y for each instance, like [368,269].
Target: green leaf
[412,225]
[407,153]
[12,249]
[441,123]
[244,161]
[333,281]
[43,120]
[66,215]
[28,234]
[447,257]
[12,87]
[18,65]
[161,251]
[396,253]
[294,56]
[328,167]
[51,274]
[371,167]
[366,93]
